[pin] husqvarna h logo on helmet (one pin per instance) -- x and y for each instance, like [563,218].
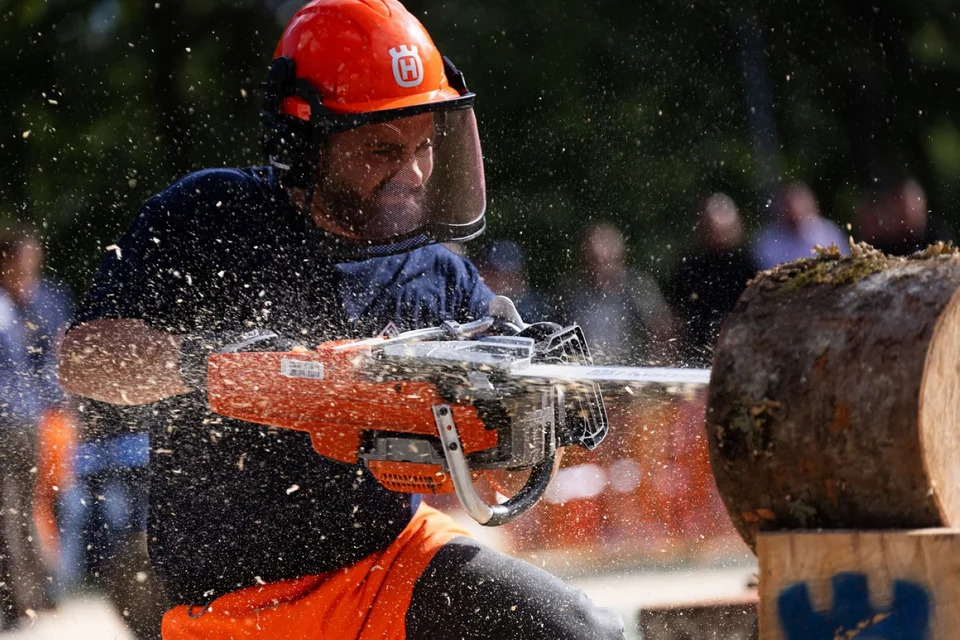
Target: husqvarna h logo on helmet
[407,66]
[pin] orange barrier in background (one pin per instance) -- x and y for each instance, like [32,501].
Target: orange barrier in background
[647,494]
[56,444]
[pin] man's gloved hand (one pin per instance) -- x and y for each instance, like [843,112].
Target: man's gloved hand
[509,321]
[196,348]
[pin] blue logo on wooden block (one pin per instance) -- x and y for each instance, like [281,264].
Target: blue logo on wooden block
[852,615]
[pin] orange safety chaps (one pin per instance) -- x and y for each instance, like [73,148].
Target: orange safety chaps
[365,601]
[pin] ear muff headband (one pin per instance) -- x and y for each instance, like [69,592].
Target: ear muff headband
[289,142]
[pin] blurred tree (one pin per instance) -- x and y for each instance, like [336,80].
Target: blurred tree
[109,100]
[614,110]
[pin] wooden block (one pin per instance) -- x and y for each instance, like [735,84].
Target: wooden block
[881,585]
[720,620]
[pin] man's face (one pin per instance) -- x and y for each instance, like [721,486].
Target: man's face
[720,226]
[799,207]
[373,178]
[21,270]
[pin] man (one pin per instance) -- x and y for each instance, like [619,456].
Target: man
[504,269]
[374,158]
[896,220]
[33,314]
[798,229]
[622,311]
[709,278]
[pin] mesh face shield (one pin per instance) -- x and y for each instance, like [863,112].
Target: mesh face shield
[403,182]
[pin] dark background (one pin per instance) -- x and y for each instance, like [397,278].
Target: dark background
[607,110]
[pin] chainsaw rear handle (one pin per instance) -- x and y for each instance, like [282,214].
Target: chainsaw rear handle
[487,514]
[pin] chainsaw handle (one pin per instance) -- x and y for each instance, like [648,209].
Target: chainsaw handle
[486,514]
[528,496]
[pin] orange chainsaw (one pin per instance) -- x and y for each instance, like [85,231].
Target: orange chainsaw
[429,410]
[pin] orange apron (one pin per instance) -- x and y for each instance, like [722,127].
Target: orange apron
[365,601]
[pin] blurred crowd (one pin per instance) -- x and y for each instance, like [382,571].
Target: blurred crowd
[633,317]
[648,495]
[73,494]
[73,489]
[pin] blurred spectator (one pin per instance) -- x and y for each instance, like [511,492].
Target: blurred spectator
[708,280]
[622,312]
[504,269]
[33,315]
[896,220]
[798,228]
[104,516]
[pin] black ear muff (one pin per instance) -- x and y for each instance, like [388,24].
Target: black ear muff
[455,76]
[287,141]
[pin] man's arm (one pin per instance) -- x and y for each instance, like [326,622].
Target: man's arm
[121,361]
[113,353]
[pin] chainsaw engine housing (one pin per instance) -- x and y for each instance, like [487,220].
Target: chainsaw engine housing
[425,416]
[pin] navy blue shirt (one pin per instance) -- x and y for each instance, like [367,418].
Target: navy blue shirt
[226,250]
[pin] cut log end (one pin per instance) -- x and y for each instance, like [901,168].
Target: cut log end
[939,413]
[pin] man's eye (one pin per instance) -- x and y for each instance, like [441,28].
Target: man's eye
[385,154]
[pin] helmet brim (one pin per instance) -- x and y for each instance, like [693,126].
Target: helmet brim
[300,108]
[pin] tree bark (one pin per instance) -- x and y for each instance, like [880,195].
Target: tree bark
[835,396]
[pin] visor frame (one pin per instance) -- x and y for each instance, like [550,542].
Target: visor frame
[325,122]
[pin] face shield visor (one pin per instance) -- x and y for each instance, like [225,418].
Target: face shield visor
[401,182]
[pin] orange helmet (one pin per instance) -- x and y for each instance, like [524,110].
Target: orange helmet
[346,64]
[363,55]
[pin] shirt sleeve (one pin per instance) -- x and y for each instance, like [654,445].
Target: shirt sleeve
[53,311]
[647,301]
[19,402]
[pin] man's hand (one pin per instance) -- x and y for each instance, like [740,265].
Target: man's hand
[539,331]
[121,361]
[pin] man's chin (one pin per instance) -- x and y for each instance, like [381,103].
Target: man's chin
[397,205]
[394,216]
[373,220]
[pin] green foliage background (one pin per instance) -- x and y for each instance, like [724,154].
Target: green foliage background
[605,110]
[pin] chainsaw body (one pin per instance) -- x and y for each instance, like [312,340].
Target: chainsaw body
[427,411]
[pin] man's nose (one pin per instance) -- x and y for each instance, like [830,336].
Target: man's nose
[416,171]
[411,174]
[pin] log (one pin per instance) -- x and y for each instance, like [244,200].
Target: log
[733,619]
[858,584]
[834,400]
